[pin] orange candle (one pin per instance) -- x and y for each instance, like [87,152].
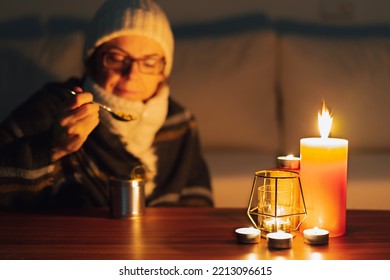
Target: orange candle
[324,179]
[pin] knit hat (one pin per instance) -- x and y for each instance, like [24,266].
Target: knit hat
[131,17]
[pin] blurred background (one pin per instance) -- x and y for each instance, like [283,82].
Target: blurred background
[254,72]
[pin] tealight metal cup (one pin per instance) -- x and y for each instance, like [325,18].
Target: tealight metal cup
[248,235]
[127,198]
[279,240]
[316,236]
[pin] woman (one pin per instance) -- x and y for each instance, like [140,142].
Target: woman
[59,149]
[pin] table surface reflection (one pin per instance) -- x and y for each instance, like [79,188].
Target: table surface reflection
[176,233]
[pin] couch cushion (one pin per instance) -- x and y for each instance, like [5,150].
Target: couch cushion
[350,73]
[227,80]
[29,60]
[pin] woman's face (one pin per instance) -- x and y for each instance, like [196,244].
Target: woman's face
[129,66]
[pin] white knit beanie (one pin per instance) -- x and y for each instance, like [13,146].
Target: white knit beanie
[131,17]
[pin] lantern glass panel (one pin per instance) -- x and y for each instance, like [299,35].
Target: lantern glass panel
[276,201]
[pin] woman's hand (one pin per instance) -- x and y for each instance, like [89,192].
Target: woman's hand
[74,124]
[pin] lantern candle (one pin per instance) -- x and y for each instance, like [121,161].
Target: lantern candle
[275,224]
[324,179]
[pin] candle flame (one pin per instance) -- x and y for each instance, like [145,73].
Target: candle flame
[324,121]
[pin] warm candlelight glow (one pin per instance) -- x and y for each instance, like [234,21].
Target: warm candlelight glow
[324,122]
[276,224]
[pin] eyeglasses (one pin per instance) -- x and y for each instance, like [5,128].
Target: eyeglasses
[119,62]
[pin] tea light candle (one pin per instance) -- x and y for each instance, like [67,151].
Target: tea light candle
[271,225]
[289,162]
[316,236]
[279,240]
[248,235]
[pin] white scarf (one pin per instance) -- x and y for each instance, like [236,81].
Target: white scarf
[137,135]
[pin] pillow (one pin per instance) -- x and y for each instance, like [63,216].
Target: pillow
[227,81]
[352,76]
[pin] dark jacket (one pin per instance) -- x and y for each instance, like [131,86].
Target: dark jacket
[29,179]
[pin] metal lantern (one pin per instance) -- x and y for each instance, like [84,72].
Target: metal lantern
[276,201]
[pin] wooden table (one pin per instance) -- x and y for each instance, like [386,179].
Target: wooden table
[176,233]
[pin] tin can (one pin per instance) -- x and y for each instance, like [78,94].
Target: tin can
[127,198]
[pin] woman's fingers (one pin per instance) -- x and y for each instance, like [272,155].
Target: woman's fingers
[78,120]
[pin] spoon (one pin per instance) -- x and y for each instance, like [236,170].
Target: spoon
[117,115]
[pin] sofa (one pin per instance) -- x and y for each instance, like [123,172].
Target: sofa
[255,85]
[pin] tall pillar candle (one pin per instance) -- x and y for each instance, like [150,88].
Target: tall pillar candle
[324,183]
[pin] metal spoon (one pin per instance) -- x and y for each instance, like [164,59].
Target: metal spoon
[117,115]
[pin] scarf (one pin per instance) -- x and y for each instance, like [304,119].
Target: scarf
[137,136]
